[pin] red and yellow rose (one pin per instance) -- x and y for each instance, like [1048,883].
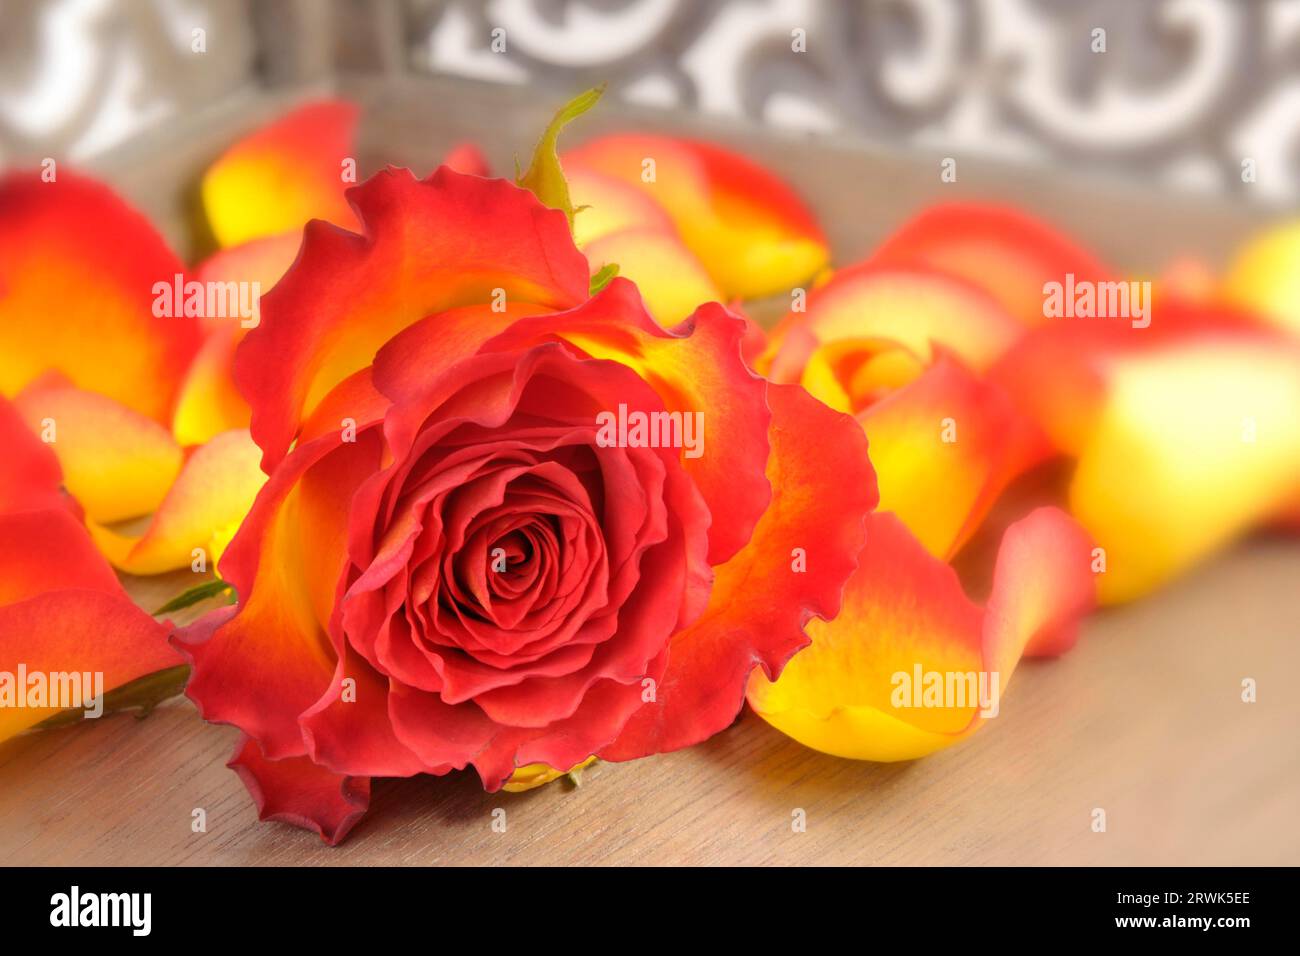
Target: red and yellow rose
[446,567]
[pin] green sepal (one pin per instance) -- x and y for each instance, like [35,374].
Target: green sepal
[544,177]
[603,277]
[200,592]
[142,694]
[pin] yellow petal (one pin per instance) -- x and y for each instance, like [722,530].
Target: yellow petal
[210,498]
[282,175]
[1265,276]
[116,462]
[860,689]
[534,775]
[606,205]
[749,229]
[671,280]
[209,403]
[1194,444]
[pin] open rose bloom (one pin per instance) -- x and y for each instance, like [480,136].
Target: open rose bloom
[450,564]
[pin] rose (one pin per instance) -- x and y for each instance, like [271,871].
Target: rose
[448,566]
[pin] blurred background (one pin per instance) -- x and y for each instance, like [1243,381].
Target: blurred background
[1157,106]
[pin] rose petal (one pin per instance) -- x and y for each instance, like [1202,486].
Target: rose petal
[1194,444]
[63,611]
[48,550]
[260,668]
[78,631]
[670,278]
[283,174]
[538,774]
[209,403]
[753,234]
[696,367]
[1003,250]
[823,486]
[296,791]
[347,295]
[1265,276]
[905,611]
[355,733]
[1043,585]
[944,447]
[31,478]
[1181,430]
[467,158]
[210,497]
[116,462]
[911,307]
[77,272]
[606,205]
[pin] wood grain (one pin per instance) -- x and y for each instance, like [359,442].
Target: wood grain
[1143,718]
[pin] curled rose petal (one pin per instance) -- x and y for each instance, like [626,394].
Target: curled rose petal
[1192,446]
[208,500]
[351,293]
[944,447]
[283,174]
[1181,432]
[911,307]
[911,665]
[274,649]
[607,205]
[749,229]
[75,234]
[295,790]
[904,349]
[116,462]
[793,570]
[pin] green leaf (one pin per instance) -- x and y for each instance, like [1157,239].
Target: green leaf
[142,694]
[544,177]
[200,592]
[603,277]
